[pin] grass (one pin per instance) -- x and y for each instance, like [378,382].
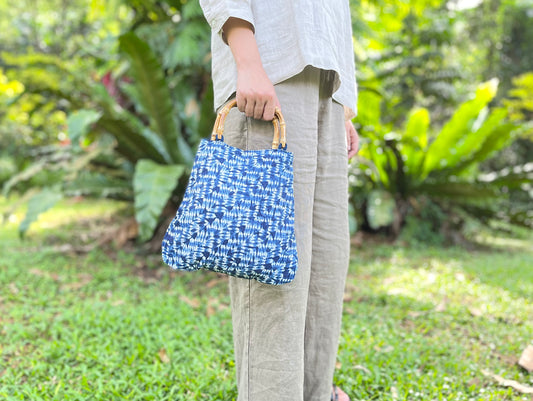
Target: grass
[419,323]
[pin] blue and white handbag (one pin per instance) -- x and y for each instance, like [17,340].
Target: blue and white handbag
[237,214]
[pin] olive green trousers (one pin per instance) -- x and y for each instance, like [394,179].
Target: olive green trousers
[286,337]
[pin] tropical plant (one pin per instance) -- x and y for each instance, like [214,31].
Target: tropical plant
[40,41]
[46,159]
[402,171]
[118,108]
[149,108]
[403,56]
[520,101]
[9,90]
[167,88]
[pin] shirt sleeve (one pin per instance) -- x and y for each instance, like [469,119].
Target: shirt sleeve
[217,12]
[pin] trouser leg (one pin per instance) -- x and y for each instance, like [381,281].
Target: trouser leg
[269,322]
[331,247]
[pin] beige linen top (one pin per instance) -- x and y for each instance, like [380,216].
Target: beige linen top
[290,35]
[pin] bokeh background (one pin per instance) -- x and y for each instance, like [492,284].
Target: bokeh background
[102,106]
[110,98]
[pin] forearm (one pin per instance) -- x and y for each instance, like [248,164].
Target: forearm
[256,96]
[241,40]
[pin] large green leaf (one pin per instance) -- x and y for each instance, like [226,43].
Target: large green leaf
[153,184]
[38,204]
[129,145]
[476,139]
[153,92]
[100,185]
[441,152]
[417,126]
[414,140]
[134,140]
[80,122]
[369,110]
[24,175]
[499,137]
[374,152]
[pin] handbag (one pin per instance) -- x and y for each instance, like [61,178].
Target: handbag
[237,213]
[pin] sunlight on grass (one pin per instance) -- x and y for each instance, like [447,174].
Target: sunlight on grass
[505,243]
[423,324]
[65,212]
[454,284]
[419,323]
[71,210]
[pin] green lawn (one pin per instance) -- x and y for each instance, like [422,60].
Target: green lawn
[420,324]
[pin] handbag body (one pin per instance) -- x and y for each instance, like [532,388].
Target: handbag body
[237,214]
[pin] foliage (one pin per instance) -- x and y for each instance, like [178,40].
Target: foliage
[520,106]
[48,48]
[137,105]
[403,57]
[425,227]
[516,55]
[62,171]
[34,117]
[99,86]
[38,204]
[59,27]
[153,184]
[520,103]
[411,164]
[420,323]
[45,45]
[9,90]
[411,60]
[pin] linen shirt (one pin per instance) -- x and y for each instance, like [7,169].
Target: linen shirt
[290,35]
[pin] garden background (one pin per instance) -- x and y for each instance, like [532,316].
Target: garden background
[102,104]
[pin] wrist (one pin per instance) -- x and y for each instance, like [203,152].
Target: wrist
[245,52]
[348,113]
[247,65]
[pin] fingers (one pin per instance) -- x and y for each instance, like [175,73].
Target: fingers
[352,153]
[352,139]
[259,109]
[241,102]
[269,110]
[256,96]
[354,145]
[348,138]
[256,107]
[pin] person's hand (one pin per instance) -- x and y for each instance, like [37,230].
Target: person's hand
[256,96]
[352,139]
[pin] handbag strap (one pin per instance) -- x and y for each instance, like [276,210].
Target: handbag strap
[280,135]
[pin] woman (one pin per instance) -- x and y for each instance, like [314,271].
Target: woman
[296,55]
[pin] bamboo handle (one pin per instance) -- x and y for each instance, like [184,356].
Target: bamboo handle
[280,134]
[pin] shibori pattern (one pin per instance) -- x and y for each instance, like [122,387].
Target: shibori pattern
[237,214]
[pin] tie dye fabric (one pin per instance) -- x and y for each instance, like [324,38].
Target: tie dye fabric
[237,215]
